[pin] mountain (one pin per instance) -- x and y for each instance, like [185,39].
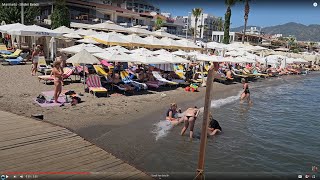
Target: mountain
[300,31]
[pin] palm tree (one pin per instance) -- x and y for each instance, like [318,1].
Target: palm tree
[219,24]
[196,12]
[158,23]
[311,46]
[227,17]
[246,15]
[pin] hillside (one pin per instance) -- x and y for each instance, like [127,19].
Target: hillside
[300,31]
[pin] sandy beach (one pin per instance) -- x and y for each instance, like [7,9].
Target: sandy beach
[113,123]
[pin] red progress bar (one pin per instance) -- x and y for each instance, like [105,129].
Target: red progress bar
[61,173]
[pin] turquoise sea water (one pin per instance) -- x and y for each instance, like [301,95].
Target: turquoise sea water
[279,135]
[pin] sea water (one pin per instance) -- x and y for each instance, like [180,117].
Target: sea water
[278,135]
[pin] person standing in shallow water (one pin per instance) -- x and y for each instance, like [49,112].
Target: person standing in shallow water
[246,92]
[189,119]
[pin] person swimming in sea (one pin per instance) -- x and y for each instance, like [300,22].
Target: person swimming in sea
[214,126]
[246,92]
[189,118]
[173,113]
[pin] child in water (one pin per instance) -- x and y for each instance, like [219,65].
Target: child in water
[214,126]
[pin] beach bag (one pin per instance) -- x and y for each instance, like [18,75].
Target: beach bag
[41,99]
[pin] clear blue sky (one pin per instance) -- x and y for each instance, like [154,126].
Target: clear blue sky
[262,12]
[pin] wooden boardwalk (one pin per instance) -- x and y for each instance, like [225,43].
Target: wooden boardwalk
[28,145]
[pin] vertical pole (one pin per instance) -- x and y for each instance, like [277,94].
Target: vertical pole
[203,139]
[22,12]
[187,27]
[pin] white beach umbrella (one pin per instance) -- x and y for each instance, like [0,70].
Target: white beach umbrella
[139,30]
[136,40]
[85,32]
[300,60]
[109,26]
[162,33]
[204,57]
[194,53]
[117,49]
[52,48]
[111,38]
[115,56]
[154,42]
[5,28]
[141,51]
[161,51]
[172,58]
[180,53]
[79,25]
[64,30]
[33,30]
[171,43]
[78,48]
[148,59]
[88,41]
[241,59]
[188,44]
[72,36]
[215,45]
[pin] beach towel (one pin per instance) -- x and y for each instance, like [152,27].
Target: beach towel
[46,99]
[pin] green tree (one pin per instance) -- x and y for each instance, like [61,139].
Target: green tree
[227,17]
[60,15]
[246,16]
[158,24]
[196,12]
[311,46]
[12,14]
[218,24]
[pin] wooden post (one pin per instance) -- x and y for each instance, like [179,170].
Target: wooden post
[203,140]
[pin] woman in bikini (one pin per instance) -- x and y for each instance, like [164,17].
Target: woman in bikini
[246,91]
[57,73]
[35,59]
[190,117]
[172,114]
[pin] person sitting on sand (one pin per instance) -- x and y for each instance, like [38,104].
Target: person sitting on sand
[246,91]
[57,73]
[172,114]
[214,126]
[190,117]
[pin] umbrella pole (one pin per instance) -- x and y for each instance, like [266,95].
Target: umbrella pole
[84,79]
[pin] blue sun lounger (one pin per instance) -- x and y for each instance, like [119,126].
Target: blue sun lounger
[15,61]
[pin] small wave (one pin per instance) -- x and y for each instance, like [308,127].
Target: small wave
[221,102]
[162,129]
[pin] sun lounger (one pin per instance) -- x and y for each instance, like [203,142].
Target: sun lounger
[42,65]
[5,52]
[3,47]
[66,75]
[94,85]
[15,61]
[126,79]
[13,55]
[157,75]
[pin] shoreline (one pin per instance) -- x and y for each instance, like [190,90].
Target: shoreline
[106,121]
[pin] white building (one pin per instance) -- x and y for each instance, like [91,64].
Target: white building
[168,15]
[253,30]
[217,36]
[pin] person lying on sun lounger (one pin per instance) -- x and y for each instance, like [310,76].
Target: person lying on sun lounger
[116,80]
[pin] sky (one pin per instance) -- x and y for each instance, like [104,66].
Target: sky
[262,12]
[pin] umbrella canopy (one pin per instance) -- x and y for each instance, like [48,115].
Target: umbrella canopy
[88,41]
[188,44]
[180,53]
[134,39]
[154,42]
[148,59]
[115,57]
[5,28]
[235,53]
[117,49]
[141,51]
[160,52]
[83,57]
[162,33]
[204,57]
[79,25]
[109,26]
[34,30]
[77,48]
[72,36]
[300,60]
[86,32]
[215,45]
[111,38]
[171,43]
[172,58]
[63,30]
[139,30]
[241,59]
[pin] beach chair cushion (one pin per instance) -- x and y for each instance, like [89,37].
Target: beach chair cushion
[157,75]
[94,84]
[153,84]
[125,77]
[5,52]
[13,55]
[15,61]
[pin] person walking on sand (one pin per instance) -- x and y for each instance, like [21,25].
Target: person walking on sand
[214,126]
[35,59]
[189,118]
[246,92]
[57,73]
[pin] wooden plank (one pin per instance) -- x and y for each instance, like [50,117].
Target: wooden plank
[20,126]
[46,152]
[27,132]
[22,142]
